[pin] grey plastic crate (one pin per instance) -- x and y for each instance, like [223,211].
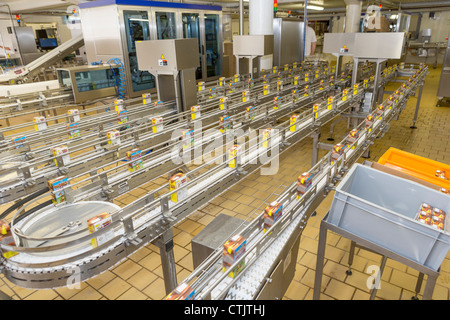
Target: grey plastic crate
[381,208]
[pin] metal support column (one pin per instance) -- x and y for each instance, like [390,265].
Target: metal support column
[417,106]
[241,18]
[165,244]
[319,261]
[315,151]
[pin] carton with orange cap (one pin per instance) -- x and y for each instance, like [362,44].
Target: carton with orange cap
[233,249]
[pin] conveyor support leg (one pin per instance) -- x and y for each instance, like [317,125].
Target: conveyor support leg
[165,244]
[417,107]
[319,261]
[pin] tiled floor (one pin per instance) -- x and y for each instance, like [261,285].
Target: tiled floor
[140,275]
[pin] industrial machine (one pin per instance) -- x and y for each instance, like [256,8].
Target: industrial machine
[288,41]
[26,73]
[124,23]
[252,48]
[173,69]
[90,82]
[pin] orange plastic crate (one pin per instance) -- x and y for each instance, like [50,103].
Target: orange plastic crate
[416,166]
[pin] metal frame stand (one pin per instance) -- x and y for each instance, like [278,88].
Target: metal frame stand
[417,106]
[165,245]
[367,245]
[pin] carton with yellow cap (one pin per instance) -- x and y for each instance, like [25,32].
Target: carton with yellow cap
[118,105]
[304,181]
[368,122]
[224,123]
[122,116]
[380,110]
[344,94]
[234,156]
[6,238]
[74,115]
[113,137]
[178,182]
[353,136]
[40,123]
[293,121]
[158,124]
[73,130]
[316,110]
[146,98]
[276,102]
[187,137]
[134,160]
[61,151]
[182,292]
[272,214]
[56,187]
[233,249]
[18,142]
[245,95]
[337,151]
[266,137]
[250,112]
[98,222]
[223,103]
[195,112]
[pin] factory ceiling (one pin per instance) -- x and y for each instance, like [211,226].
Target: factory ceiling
[27,6]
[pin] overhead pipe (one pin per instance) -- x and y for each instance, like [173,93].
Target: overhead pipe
[353,15]
[241,17]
